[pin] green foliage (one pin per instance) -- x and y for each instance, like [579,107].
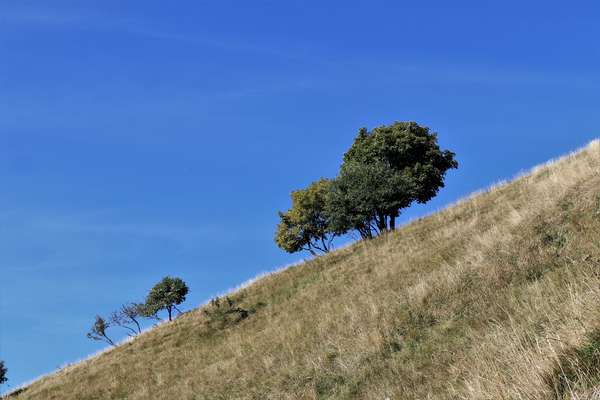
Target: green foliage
[165,295]
[364,195]
[98,331]
[3,372]
[385,171]
[306,225]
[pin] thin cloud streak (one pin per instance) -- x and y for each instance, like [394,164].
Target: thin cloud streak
[420,72]
[83,225]
[134,27]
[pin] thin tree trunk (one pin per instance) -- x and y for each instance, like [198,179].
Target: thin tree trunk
[365,232]
[381,222]
[110,341]
[392,222]
[310,250]
[139,328]
[130,329]
[325,247]
[169,310]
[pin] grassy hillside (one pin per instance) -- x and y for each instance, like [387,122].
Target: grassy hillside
[497,297]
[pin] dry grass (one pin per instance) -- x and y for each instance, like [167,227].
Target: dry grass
[493,298]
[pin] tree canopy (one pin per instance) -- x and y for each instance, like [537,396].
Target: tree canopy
[165,295]
[384,171]
[306,225]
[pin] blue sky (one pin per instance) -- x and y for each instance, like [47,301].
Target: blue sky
[140,139]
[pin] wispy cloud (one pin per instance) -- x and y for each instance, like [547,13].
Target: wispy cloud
[30,16]
[43,241]
[106,223]
[143,230]
[136,27]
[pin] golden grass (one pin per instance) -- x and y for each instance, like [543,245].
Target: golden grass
[495,297]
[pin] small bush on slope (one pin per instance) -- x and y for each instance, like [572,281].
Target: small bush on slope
[223,312]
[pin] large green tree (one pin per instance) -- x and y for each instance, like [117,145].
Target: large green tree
[165,295]
[306,225]
[384,171]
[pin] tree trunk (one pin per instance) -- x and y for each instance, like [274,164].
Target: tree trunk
[109,341]
[310,250]
[365,232]
[392,222]
[139,328]
[170,311]
[325,247]
[382,222]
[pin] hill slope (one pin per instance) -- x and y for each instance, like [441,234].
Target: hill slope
[494,298]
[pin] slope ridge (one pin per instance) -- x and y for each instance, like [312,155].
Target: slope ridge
[485,299]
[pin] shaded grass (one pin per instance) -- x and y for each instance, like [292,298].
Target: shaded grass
[577,368]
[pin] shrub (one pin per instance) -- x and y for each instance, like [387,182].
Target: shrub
[223,312]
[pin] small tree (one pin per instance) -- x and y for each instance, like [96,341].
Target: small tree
[98,331]
[128,317]
[3,372]
[306,225]
[166,295]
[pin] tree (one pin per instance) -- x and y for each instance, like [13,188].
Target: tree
[384,171]
[128,317]
[3,372]
[365,197]
[98,331]
[306,226]
[166,295]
